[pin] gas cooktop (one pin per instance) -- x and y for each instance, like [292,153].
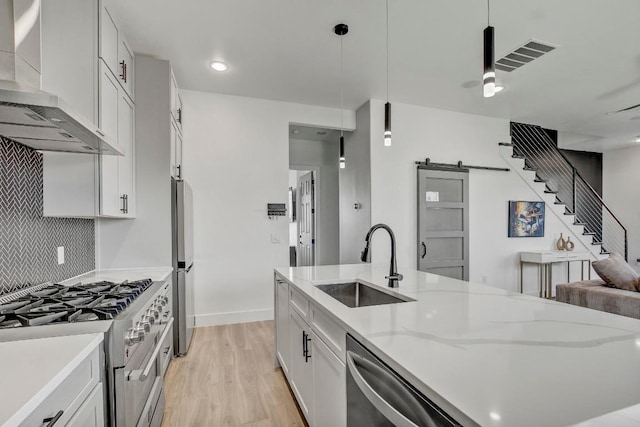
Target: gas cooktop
[69,304]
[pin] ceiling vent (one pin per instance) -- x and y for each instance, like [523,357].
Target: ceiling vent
[526,53]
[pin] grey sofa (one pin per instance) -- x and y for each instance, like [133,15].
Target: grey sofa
[592,294]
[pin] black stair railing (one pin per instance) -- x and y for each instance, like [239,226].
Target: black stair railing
[562,179]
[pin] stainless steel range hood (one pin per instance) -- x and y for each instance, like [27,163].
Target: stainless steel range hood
[28,115]
[42,121]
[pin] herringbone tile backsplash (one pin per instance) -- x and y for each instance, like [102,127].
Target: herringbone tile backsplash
[28,241]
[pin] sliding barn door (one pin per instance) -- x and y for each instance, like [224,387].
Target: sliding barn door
[443,222]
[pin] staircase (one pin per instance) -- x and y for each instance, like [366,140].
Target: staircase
[535,157]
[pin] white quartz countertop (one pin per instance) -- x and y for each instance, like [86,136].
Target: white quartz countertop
[31,369]
[487,356]
[157,274]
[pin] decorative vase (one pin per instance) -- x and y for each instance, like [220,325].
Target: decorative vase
[569,245]
[561,244]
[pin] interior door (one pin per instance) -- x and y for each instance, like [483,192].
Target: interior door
[306,220]
[443,222]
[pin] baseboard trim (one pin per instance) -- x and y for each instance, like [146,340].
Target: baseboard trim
[232,317]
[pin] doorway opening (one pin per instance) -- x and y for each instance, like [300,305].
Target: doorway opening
[314,204]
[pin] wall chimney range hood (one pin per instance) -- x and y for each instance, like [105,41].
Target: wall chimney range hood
[28,115]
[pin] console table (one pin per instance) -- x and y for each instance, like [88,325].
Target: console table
[544,261]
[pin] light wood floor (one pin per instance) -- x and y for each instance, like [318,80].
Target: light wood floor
[228,378]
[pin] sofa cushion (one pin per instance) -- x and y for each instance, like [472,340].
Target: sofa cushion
[593,294]
[616,272]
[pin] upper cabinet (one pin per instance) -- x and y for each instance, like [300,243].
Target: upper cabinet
[176,129]
[82,38]
[114,49]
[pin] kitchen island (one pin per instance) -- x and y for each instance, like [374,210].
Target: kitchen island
[486,356]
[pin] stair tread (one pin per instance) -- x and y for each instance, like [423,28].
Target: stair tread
[539,180]
[550,192]
[529,169]
[516,156]
[588,233]
[558,203]
[505,144]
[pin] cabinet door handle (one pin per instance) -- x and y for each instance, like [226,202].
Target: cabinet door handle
[424,250]
[123,209]
[123,70]
[304,344]
[99,132]
[52,420]
[180,115]
[307,355]
[179,167]
[126,203]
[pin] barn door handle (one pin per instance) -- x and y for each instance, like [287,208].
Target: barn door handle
[424,250]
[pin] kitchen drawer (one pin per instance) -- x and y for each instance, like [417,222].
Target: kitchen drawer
[299,303]
[71,393]
[329,331]
[166,352]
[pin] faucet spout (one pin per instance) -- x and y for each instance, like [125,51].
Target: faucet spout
[394,277]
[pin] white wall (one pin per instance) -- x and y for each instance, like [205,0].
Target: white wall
[447,137]
[322,158]
[236,158]
[620,174]
[355,186]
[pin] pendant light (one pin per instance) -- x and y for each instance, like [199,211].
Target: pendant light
[387,106]
[489,76]
[341,30]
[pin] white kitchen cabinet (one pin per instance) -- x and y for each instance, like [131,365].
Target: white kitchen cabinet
[109,90]
[126,163]
[78,400]
[114,49]
[329,384]
[301,371]
[314,355]
[176,151]
[282,324]
[176,102]
[108,38]
[91,412]
[126,66]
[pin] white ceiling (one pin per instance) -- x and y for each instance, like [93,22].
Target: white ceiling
[285,50]
[310,133]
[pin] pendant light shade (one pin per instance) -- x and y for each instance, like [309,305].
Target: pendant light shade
[489,76]
[387,124]
[341,30]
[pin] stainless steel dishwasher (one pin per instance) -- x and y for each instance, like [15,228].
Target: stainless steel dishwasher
[379,397]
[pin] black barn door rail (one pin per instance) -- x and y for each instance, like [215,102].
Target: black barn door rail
[428,164]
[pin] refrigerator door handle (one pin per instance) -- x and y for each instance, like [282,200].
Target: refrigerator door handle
[189,268]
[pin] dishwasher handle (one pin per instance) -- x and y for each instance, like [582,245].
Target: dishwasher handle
[385,408]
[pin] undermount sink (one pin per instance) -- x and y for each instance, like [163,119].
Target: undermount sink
[356,294]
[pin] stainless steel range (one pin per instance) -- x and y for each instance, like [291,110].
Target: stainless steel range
[137,319]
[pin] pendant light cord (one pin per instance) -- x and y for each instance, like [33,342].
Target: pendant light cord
[488,12]
[341,88]
[387,1]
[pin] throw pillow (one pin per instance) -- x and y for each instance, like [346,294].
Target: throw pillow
[617,273]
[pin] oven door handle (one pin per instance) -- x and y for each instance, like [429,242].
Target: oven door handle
[391,413]
[142,374]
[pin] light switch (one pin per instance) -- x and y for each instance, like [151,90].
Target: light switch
[60,255]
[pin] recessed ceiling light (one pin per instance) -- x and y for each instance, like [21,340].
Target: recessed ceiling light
[295,131]
[499,88]
[321,132]
[219,66]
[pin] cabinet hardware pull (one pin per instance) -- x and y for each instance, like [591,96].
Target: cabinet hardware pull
[304,344]
[123,70]
[126,203]
[180,115]
[99,132]
[123,209]
[179,167]
[52,420]
[424,250]
[307,356]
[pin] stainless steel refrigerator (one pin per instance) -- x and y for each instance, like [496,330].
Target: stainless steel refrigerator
[183,300]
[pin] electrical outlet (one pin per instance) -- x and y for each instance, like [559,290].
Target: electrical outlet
[60,255]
